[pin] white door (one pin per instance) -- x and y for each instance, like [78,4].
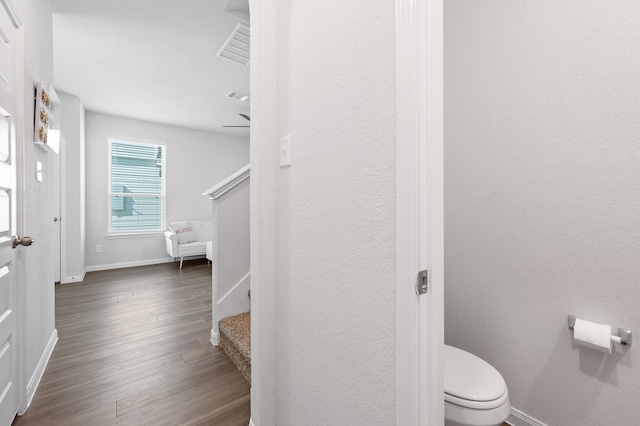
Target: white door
[8,287]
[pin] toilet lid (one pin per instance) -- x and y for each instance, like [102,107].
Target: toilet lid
[471,381]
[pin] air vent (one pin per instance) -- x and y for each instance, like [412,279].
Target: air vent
[236,48]
[234,94]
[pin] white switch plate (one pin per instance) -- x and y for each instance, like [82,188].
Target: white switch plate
[38,171]
[285,151]
[98,248]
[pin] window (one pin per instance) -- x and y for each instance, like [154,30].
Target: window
[136,187]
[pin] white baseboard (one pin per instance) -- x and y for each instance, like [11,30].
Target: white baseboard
[108,266]
[236,300]
[34,381]
[74,278]
[518,418]
[251,422]
[215,338]
[133,264]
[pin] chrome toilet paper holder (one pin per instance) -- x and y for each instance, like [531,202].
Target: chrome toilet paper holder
[623,333]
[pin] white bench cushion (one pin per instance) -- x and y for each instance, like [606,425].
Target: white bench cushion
[194,248]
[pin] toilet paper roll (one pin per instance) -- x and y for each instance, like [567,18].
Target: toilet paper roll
[592,335]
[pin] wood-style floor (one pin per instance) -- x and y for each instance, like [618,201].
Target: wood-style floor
[134,349]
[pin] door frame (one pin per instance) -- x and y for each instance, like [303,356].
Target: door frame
[420,205]
[263,211]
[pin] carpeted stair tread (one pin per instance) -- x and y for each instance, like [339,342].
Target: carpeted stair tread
[235,340]
[243,365]
[238,329]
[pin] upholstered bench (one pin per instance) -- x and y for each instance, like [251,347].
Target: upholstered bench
[188,238]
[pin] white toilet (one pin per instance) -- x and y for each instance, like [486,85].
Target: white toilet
[475,394]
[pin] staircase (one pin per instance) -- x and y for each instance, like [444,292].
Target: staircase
[231,271]
[235,340]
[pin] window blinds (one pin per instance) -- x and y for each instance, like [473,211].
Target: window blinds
[137,186]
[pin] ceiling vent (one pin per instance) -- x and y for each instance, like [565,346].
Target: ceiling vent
[236,48]
[234,94]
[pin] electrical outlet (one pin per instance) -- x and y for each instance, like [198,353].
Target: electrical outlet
[98,248]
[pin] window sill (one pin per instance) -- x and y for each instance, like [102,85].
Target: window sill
[135,234]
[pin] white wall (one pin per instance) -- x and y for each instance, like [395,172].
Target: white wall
[333,214]
[542,198]
[38,196]
[196,160]
[231,249]
[73,179]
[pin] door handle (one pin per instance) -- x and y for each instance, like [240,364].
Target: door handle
[24,241]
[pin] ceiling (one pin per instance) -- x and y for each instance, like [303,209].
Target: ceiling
[152,60]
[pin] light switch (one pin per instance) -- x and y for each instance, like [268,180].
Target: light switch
[38,171]
[285,151]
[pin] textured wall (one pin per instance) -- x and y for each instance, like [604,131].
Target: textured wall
[38,196]
[196,161]
[542,199]
[335,227]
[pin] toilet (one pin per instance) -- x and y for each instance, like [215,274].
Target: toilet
[475,394]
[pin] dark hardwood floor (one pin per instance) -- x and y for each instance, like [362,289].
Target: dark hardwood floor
[134,349]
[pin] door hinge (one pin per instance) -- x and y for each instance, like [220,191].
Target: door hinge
[422,283]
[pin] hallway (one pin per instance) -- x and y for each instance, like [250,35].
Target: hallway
[134,349]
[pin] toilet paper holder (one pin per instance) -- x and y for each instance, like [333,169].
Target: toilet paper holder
[623,333]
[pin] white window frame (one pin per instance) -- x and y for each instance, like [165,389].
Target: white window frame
[139,233]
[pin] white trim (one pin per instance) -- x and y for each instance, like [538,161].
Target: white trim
[407,409]
[132,264]
[63,210]
[430,68]
[34,381]
[73,278]
[215,337]
[234,302]
[251,422]
[163,196]
[137,234]
[264,141]
[420,332]
[518,418]
[235,287]
[228,183]
[12,12]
